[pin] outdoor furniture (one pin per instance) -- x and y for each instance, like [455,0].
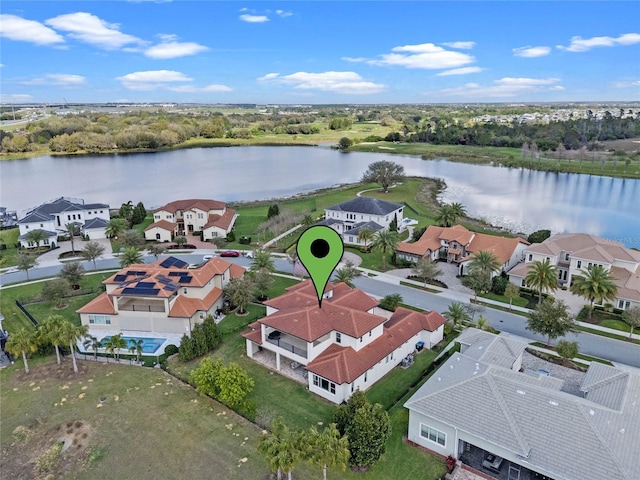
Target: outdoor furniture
[492,462]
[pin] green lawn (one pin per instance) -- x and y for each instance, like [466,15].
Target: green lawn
[518,302]
[148,220]
[8,255]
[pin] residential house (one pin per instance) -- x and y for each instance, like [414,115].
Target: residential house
[527,421]
[573,253]
[348,218]
[459,245]
[53,217]
[162,298]
[182,217]
[350,343]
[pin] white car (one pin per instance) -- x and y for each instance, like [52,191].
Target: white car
[207,257]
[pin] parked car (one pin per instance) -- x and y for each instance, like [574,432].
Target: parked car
[207,257]
[230,253]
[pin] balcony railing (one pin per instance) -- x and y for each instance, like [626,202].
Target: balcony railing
[142,308]
[288,347]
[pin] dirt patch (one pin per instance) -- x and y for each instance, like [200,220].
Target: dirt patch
[40,453]
[64,371]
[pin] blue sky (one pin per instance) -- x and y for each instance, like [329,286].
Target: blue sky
[319,51]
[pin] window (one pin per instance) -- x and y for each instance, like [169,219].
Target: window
[369,332]
[432,434]
[200,215]
[100,319]
[101,211]
[566,257]
[530,257]
[157,236]
[41,225]
[623,304]
[579,264]
[157,217]
[68,217]
[184,291]
[338,337]
[365,375]
[360,339]
[168,217]
[324,384]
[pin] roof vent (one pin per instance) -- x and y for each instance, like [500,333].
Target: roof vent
[480,347]
[521,392]
[553,402]
[622,430]
[591,412]
[451,367]
[458,359]
[439,379]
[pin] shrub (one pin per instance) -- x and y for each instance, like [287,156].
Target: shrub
[244,240]
[499,284]
[391,302]
[170,350]
[48,461]
[231,237]
[451,463]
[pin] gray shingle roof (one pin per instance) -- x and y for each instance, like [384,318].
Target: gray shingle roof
[60,205]
[35,217]
[367,205]
[95,223]
[47,232]
[567,435]
[355,229]
[493,349]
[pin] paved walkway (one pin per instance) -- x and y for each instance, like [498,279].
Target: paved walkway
[65,246]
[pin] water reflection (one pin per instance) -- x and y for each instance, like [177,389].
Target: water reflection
[521,200]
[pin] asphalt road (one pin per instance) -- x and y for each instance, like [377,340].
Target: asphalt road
[595,345]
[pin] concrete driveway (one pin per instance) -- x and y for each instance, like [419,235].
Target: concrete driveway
[52,255]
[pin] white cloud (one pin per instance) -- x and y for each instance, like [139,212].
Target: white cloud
[169,48]
[627,84]
[23,30]
[355,59]
[194,89]
[93,30]
[57,79]
[152,79]
[505,87]
[283,13]
[531,52]
[337,82]
[15,98]
[459,71]
[268,76]
[460,45]
[425,56]
[579,44]
[254,18]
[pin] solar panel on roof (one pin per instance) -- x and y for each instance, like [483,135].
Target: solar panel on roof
[167,262]
[150,292]
[185,279]
[163,279]
[120,278]
[175,274]
[180,263]
[146,284]
[171,287]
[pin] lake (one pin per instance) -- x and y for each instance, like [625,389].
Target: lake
[520,200]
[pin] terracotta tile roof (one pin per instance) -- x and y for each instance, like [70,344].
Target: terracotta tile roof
[236,270]
[588,247]
[353,298]
[102,304]
[254,334]
[291,301]
[308,288]
[185,307]
[628,283]
[454,251]
[457,233]
[344,365]
[520,270]
[163,224]
[429,240]
[188,204]
[221,221]
[501,247]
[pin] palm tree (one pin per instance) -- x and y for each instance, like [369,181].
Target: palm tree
[542,276]
[385,241]
[447,216]
[135,346]
[365,235]
[52,330]
[91,342]
[114,344]
[130,256]
[458,209]
[308,221]
[484,262]
[23,341]
[327,449]
[281,448]
[91,251]
[262,261]
[115,227]
[595,283]
[347,273]
[73,334]
[483,323]
[36,236]
[457,314]
[72,228]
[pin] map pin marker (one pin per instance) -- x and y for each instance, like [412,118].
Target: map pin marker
[320,249]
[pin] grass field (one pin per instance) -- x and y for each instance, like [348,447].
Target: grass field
[8,255]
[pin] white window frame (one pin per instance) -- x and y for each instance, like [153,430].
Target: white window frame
[318,381]
[437,435]
[100,319]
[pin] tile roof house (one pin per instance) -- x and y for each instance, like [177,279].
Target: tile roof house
[181,217]
[348,344]
[161,298]
[476,399]
[572,253]
[53,217]
[348,218]
[459,245]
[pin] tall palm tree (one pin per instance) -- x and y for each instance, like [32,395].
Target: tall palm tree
[542,276]
[385,241]
[22,342]
[347,273]
[118,344]
[457,314]
[73,334]
[135,346]
[485,263]
[308,221]
[458,209]
[365,235]
[91,342]
[115,227]
[262,261]
[52,330]
[327,449]
[281,448]
[595,283]
[91,251]
[447,216]
[71,229]
[130,256]
[36,236]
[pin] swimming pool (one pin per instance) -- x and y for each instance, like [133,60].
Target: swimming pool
[149,345]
